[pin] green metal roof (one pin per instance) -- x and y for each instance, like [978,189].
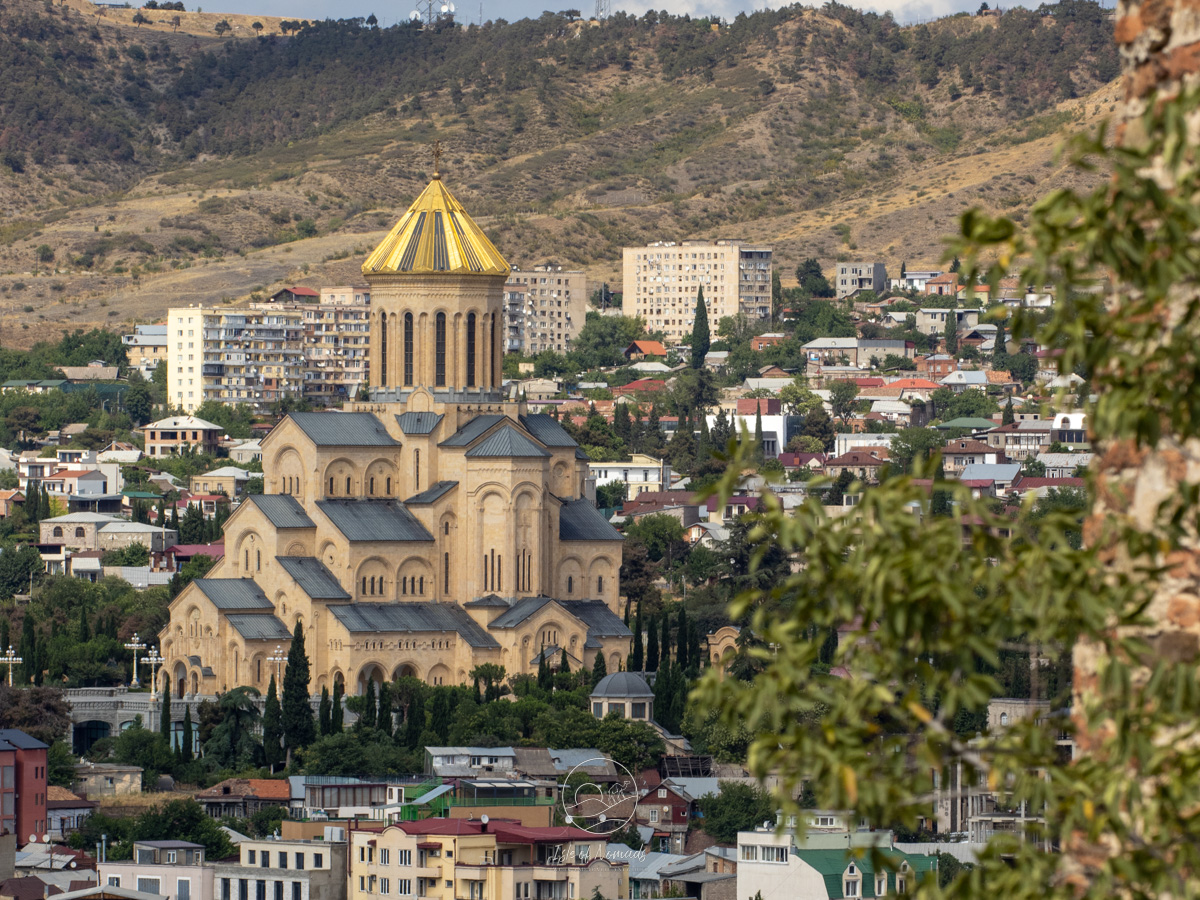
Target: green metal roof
[832,865]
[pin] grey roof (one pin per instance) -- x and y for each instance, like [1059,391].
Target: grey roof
[20,739]
[547,430]
[418,422]
[592,760]
[580,454]
[600,620]
[312,576]
[414,616]
[579,520]
[520,611]
[432,493]
[339,429]
[233,593]
[472,430]
[489,600]
[990,472]
[374,520]
[282,510]
[622,684]
[257,627]
[171,845]
[506,442]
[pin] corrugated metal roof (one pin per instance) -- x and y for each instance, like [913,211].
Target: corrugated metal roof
[233,593]
[257,627]
[507,442]
[312,576]
[600,620]
[491,600]
[418,422]
[282,510]
[373,520]
[339,429]
[520,611]
[547,430]
[472,430]
[412,617]
[579,520]
[579,454]
[432,493]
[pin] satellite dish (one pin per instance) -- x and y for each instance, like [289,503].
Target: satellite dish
[45,838]
[451,7]
[445,8]
[33,839]
[484,819]
[413,16]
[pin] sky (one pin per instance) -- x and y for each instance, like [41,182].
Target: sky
[468,11]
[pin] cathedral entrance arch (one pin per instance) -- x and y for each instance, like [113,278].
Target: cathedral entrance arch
[180,674]
[405,670]
[370,672]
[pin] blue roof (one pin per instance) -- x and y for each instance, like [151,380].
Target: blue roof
[472,430]
[415,616]
[282,510]
[339,429]
[373,520]
[418,422]
[313,577]
[579,520]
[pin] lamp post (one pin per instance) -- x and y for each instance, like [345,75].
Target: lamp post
[135,645]
[10,659]
[154,661]
[279,659]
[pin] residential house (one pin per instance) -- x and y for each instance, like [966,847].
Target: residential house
[171,869]
[146,348]
[167,437]
[246,451]
[734,508]
[932,320]
[107,780]
[545,309]
[639,350]
[945,285]
[75,531]
[119,535]
[814,462]
[66,811]
[1070,429]
[470,762]
[893,411]
[964,380]
[959,454]
[695,876]
[645,874]
[23,785]
[243,797]
[863,465]
[10,501]
[746,414]
[278,869]
[914,281]
[1021,440]
[639,473]
[1040,487]
[910,389]
[771,868]
[1001,474]
[845,442]
[1064,465]
[667,809]
[852,277]
[715,360]
[833,350]
[936,366]
[227,480]
[296,294]
[447,859]
[770,339]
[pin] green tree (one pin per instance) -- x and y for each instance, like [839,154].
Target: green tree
[950,333]
[323,713]
[637,661]
[735,807]
[599,669]
[913,445]
[651,647]
[164,718]
[813,282]
[233,744]
[336,710]
[186,752]
[797,400]
[1009,417]
[272,728]
[842,397]
[700,333]
[299,729]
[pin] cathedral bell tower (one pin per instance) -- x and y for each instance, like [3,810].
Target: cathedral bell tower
[437,294]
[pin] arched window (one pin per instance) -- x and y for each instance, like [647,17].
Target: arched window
[446,572]
[258,560]
[79,532]
[383,349]
[422,586]
[364,586]
[347,485]
[570,584]
[485,571]
[389,487]
[445,528]
[258,669]
[372,487]
[408,349]
[1003,718]
[58,532]
[404,585]
[471,350]
[247,566]
[599,584]
[330,485]
[439,351]
[499,585]
[372,585]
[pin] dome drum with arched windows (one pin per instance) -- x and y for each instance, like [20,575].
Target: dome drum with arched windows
[429,530]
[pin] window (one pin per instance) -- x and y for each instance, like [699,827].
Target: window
[654,817]
[439,351]
[300,861]
[662,793]
[330,485]
[598,710]
[417,469]
[385,856]
[383,349]
[251,857]
[1003,718]
[318,860]
[226,889]
[114,880]
[385,885]
[148,885]
[408,349]
[243,889]
[183,889]
[347,485]
[172,856]
[749,852]
[265,859]
[296,890]
[471,350]
[570,584]
[851,888]
[775,854]
[638,711]
[282,859]
[405,857]
[446,572]
[599,584]
[58,532]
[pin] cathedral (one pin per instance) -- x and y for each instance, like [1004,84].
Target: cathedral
[432,528]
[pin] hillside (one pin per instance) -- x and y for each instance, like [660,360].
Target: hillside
[142,168]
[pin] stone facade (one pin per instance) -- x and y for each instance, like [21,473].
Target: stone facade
[432,528]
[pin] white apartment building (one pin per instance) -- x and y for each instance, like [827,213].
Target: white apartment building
[233,355]
[660,282]
[859,276]
[336,344]
[544,309]
[640,472]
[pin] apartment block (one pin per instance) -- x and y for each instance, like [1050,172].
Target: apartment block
[234,355]
[660,283]
[275,869]
[337,344]
[145,348]
[859,276]
[544,309]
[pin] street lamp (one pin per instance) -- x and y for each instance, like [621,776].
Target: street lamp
[154,660]
[135,645]
[279,659]
[10,659]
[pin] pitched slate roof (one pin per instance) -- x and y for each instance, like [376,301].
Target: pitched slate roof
[413,616]
[491,600]
[339,429]
[257,627]
[579,520]
[418,422]
[600,620]
[432,493]
[547,430]
[313,577]
[507,442]
[282,510]
[472,430]
[233,593]
[373,520]
[520,611]
[831,864]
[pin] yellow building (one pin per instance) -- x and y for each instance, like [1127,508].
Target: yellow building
[432,528]
[457,859]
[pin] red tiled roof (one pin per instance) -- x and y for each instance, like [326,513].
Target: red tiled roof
[215,549]
[914,384]
[869,382]
[947,278]
[650,348]
[643,384]
[301,291]
[969,447]
[748,406]
[876,456]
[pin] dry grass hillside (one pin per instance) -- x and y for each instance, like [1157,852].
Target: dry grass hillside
[784,142]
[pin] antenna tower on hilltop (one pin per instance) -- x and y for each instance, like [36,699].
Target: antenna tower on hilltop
[432,10]
[603,8]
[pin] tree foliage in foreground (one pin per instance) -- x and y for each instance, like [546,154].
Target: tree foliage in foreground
[922,606]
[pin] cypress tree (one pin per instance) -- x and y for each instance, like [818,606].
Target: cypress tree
[652,650]
[368,716]
[44,511]
[700,333]
[622,424]
[1000,351]
[174,517]
[85,633]
[336,710]
[414,724]
[185,746]
[564,666]
[28,649]
[164,720]
[5,633]
[759,452]
[664,645]
[704,442]
[323,713]
[662,694]
[653,441]
[599,669]
[951,332]
[681,641]
[441,715]
[543,675]
[272,728]
[637,660]
[1009,415]
[299,728]
[695,657]
[383,721]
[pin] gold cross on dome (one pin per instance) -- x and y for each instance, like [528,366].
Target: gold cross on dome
[437,158]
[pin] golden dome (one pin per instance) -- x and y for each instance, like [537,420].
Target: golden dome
[436,237]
